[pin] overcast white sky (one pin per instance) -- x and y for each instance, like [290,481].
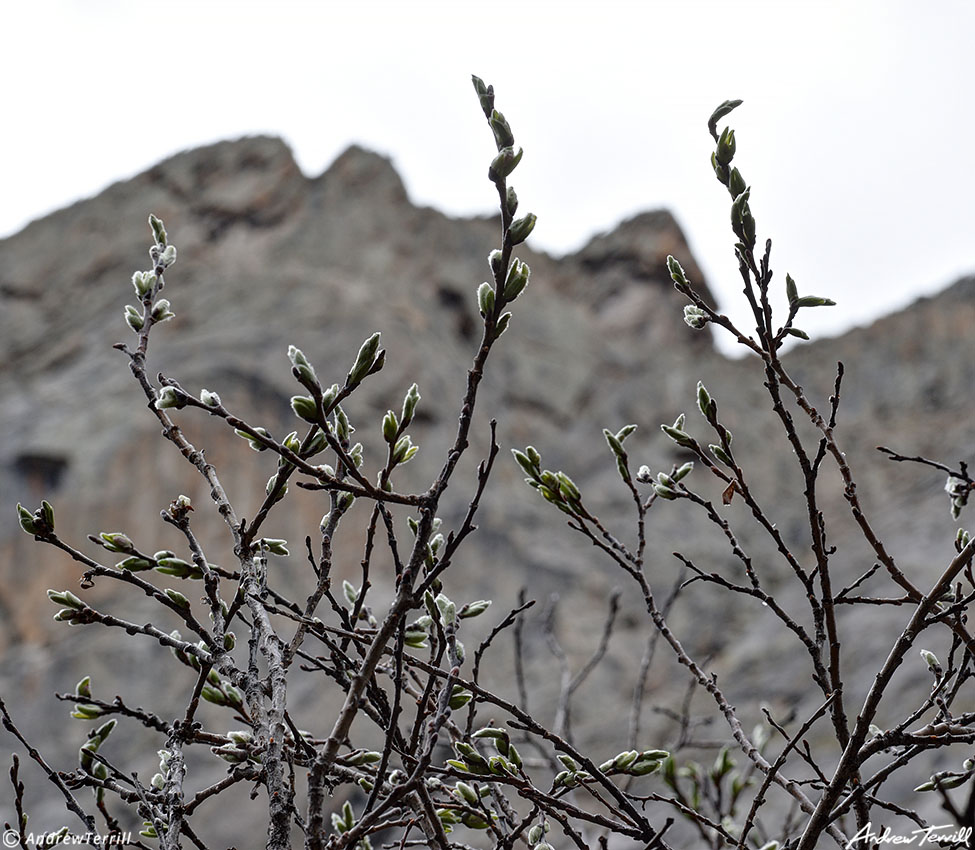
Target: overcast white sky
[856,134]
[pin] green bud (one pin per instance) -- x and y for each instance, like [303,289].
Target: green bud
[390,426]
[720,171]
[536,834]
[365,360]
[502,324]
[65,597]
[459,697]
[158,231]
[466,792]
[931,660]
[676,272]
[305,408]
[614,443]
[664,492]
[329,396]
[485,299]
[133,318]
[134,564]
[177,598]
[530,469]
[26,519]
[790,290]
[349,591]
[404,450]
[726,146]
[209,399]
[521,228]
[301,368]
[516,281]
[511,201]
[813,301]
[682,438]
[474,609]
[161,311]
[502,132]
[84,711]
[143,282]
[567,488]
[168,256]
[83,688]
[625,432]
[798,333]
[275,546]
[736,183]
[410,402]
[703,398]
[256,445]
[485,95]
[721,455]
[504,163]
[695,317]
[684,471]
[169,397]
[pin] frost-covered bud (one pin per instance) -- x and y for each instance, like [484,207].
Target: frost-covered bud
[644,475]
[169,397]
[695,317]
[209,399]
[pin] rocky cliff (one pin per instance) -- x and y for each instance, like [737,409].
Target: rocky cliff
[269,257]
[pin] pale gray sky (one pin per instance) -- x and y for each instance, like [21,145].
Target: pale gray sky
[856,133]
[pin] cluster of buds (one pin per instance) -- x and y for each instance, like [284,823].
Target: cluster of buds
[40,523]
[634,763]
[554,487]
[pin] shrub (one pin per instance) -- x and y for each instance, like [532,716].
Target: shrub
[419,753]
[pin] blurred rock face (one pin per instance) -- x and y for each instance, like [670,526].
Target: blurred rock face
[268,258]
